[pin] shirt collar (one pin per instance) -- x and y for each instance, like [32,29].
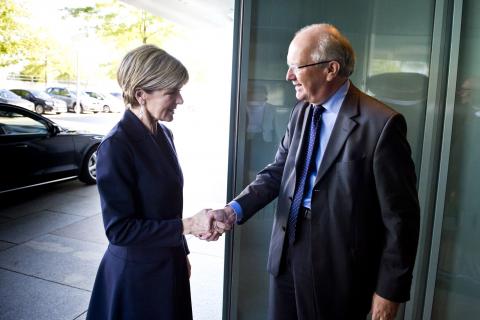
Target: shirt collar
[334,103]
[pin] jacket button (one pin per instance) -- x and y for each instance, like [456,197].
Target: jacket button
[290,198]
[284,228]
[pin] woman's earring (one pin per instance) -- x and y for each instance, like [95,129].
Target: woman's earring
[142,107]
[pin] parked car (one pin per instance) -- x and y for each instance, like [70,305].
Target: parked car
[70,98]
[88,103]
[35,151]
[7,96]
[109,102]
[62,105]
[42,101]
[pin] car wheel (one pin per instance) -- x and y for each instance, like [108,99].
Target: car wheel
[106,108]
[77,108]
[88,173]
[39,109]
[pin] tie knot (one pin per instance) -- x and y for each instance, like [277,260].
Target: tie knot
[317,111]
[318,108]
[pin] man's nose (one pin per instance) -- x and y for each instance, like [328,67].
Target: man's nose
[290,74]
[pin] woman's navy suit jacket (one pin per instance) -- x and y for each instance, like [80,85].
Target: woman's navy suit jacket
[143,274]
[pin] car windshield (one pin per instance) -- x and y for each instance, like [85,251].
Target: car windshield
[41,95]
[7,94]
[95,95]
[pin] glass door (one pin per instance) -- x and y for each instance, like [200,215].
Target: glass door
[392,41]
[455,281]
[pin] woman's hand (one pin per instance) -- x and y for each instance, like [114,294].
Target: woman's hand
[200,223]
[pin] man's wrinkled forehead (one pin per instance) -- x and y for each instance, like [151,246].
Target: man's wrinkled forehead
[299,51]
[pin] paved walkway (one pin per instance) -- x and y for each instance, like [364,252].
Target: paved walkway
[51,243]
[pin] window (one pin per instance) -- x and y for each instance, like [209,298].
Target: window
[12,123]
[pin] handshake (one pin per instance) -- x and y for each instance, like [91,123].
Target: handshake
[210,224]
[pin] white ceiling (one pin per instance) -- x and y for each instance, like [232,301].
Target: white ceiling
[190,13]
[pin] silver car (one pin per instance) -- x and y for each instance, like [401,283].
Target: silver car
[7,96]
[70,97]
[109,102]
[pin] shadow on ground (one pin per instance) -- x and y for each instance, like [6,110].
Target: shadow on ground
[51,243]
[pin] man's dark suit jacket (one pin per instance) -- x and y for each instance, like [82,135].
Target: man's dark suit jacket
[365,211]
[143,274]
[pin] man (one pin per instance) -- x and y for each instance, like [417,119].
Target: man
[346,228]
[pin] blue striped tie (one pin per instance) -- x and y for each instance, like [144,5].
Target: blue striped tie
[313,136]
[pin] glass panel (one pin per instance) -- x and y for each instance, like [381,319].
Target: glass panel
[457,288]
[392,42]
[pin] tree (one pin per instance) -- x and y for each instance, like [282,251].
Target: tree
[121,25]
[15,40]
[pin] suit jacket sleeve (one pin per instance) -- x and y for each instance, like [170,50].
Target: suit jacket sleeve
[124,224]
[267,183]
[395,181]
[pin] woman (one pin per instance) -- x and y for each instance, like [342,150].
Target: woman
[144,272]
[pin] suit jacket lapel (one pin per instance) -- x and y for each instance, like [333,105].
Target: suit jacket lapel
[344,125]
[138,132]
[168,147]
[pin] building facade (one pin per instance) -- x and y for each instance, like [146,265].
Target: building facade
[419,57]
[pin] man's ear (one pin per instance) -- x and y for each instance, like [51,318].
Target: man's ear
[332,70]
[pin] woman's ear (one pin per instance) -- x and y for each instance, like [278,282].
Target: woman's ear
[140,96]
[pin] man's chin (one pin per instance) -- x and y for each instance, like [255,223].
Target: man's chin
[300,97]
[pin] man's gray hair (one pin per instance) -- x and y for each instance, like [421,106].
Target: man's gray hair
[332,45]
[149,68]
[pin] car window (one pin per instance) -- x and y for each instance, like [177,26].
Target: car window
[21,93]
[94,95]
[7,94]
[63,92]
[13,123]
[41,95]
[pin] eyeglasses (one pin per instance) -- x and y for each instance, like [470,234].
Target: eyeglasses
[296,68]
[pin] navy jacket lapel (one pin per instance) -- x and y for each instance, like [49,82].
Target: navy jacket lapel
[138,132]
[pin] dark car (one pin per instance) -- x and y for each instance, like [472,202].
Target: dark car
[34,150]
[42,101]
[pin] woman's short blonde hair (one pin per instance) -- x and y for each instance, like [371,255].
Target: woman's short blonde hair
[149,68]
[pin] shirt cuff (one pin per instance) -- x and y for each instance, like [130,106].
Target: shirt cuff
[237,209]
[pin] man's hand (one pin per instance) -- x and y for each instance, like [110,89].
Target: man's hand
[223,220]
[383,309]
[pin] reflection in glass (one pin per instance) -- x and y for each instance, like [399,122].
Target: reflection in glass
[457,288]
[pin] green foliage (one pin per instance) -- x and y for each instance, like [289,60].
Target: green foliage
[15,38]
[123,24]
[41,54]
